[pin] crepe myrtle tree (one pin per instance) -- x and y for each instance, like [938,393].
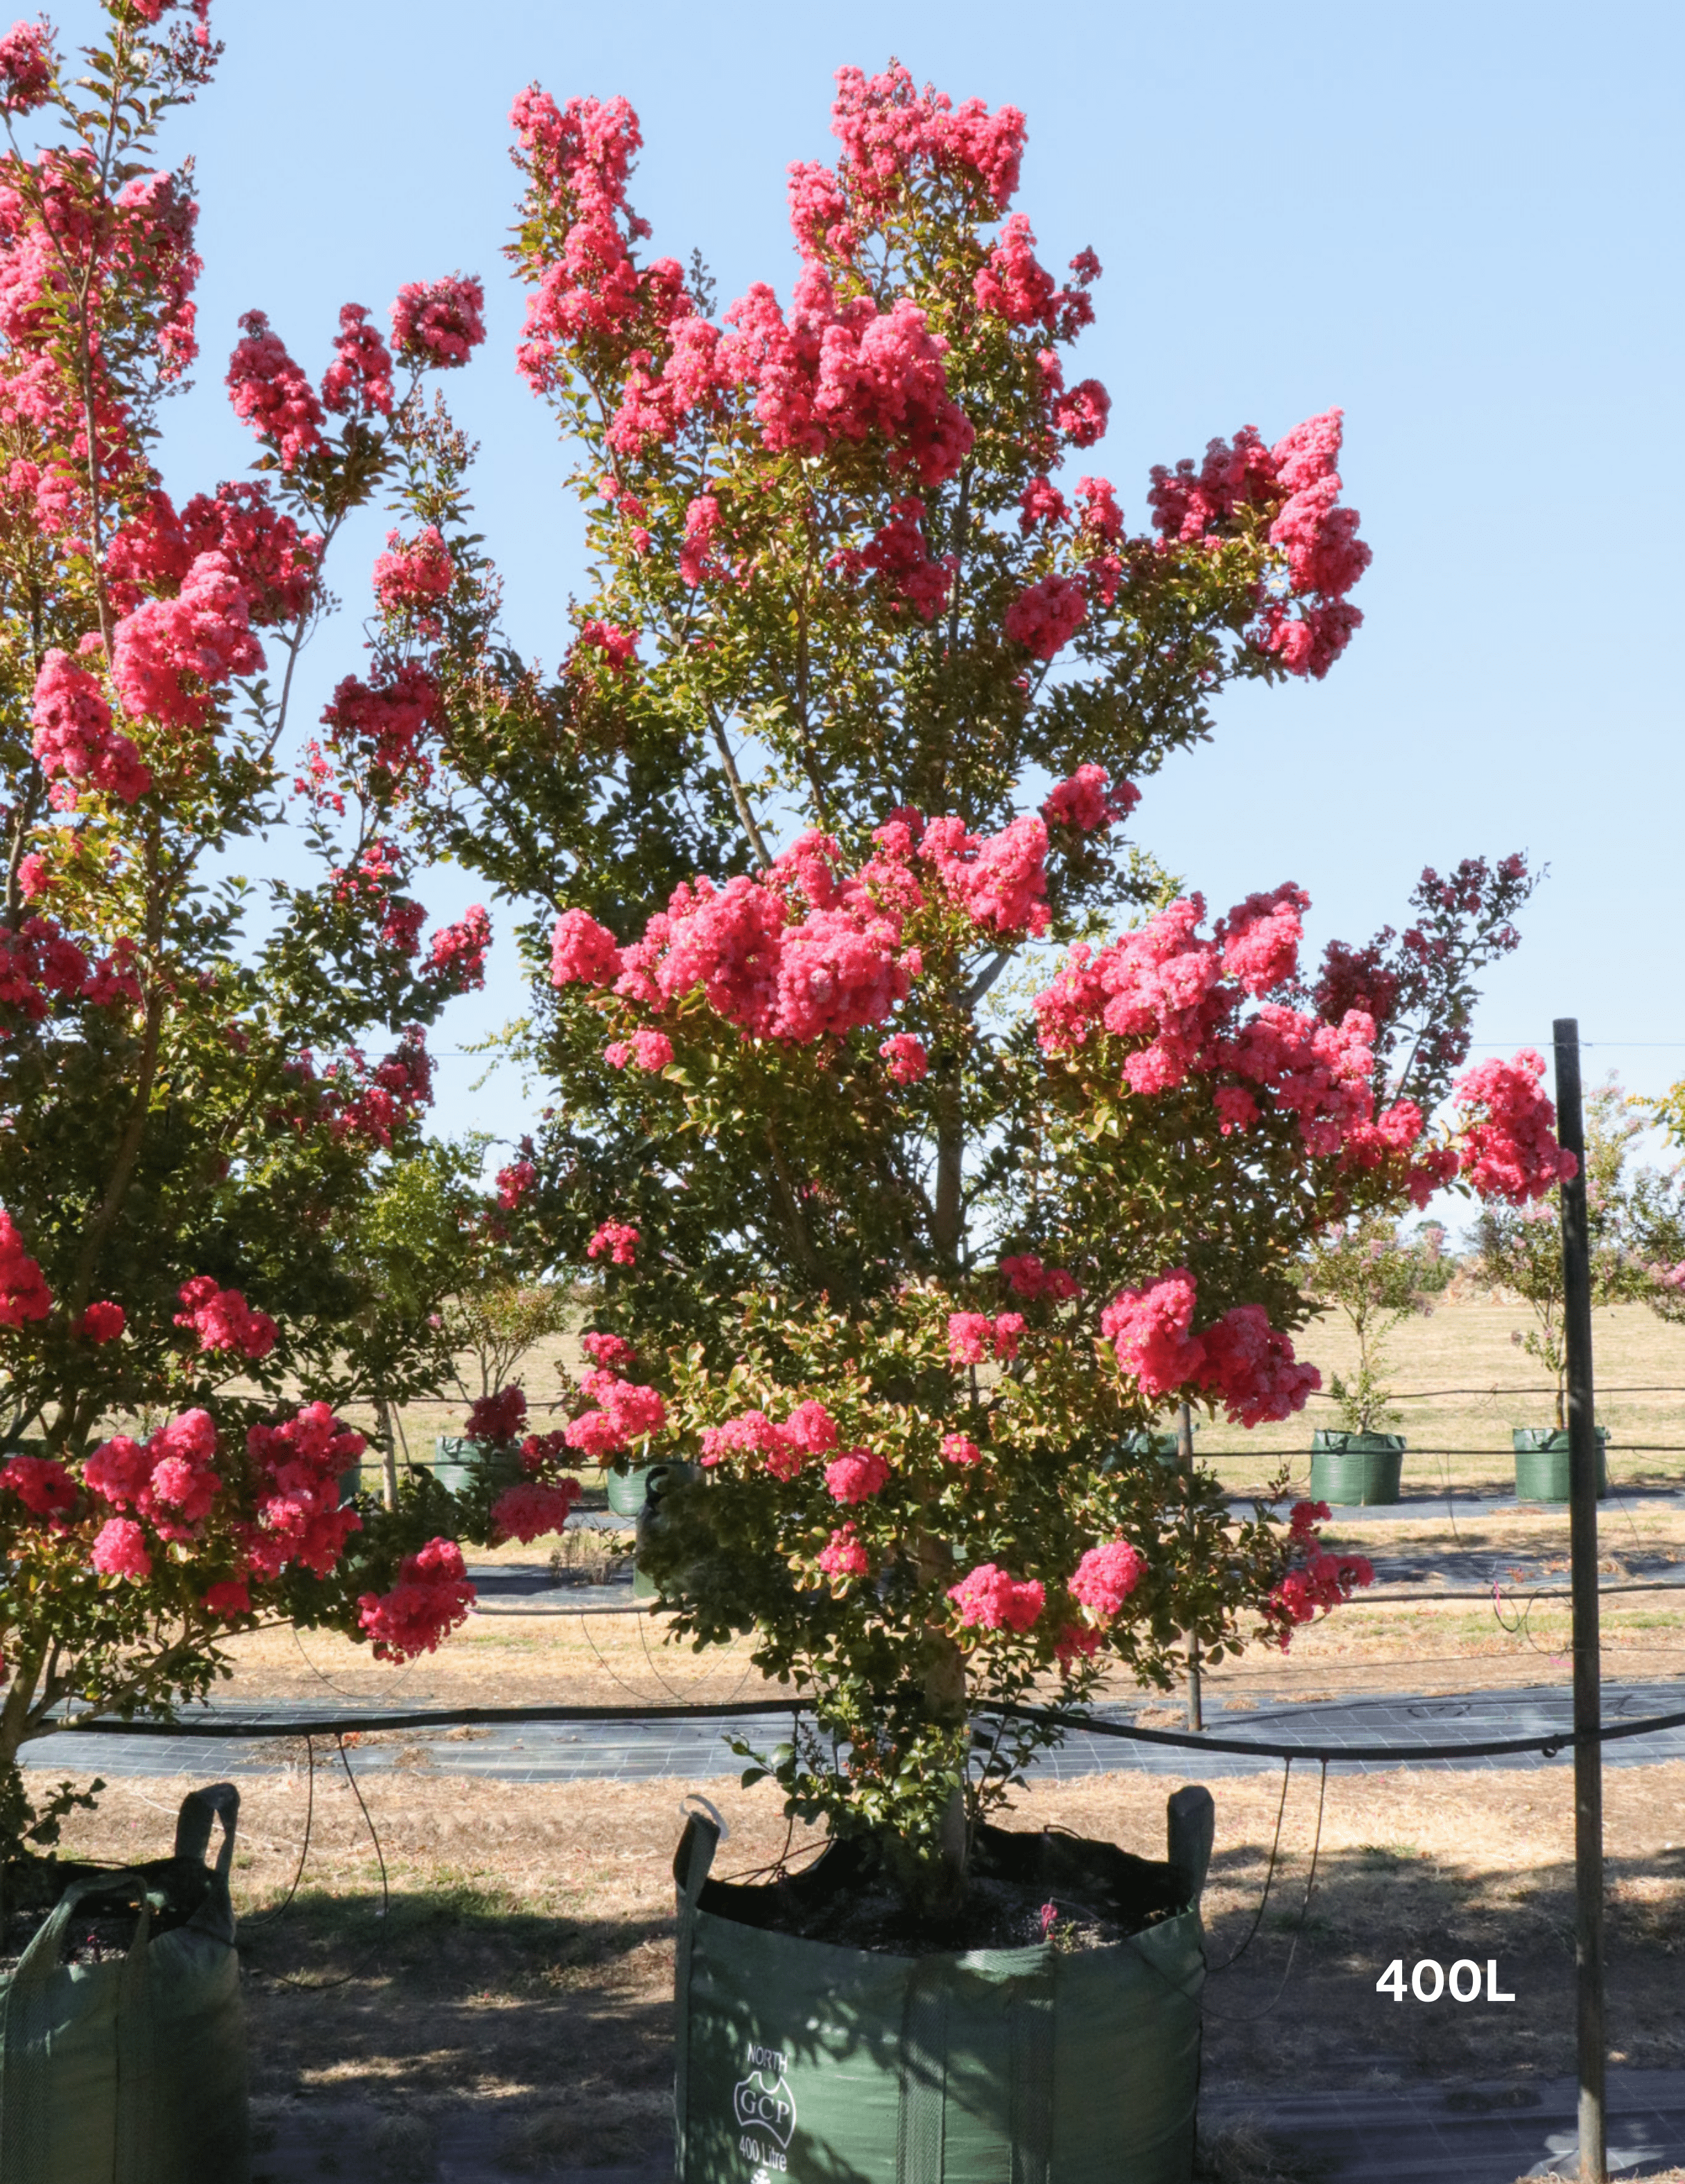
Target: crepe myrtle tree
[922,1139]
[200,1108]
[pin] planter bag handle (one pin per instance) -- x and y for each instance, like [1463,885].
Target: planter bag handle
[217,1800]
[923,2069]
[25,2039]
[690,1864]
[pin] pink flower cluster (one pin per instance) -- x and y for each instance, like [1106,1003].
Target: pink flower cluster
[974,1336]
[432,1598]
[1240,1361]
[23,1294]
[438,324]
[1320,1579]
[1181,995]
[497,1418]
[38,963]
[886,126]
[40,1483]
[527,1511]
[387,720]
[960,1448]
[298,1462]
[1000,880]
[269,393]
[843,371]
[358,380]
[512,1184]
[27,65]
[613,1351]
[457,954]
[413,576]
[617,1240]
[989,1599]
[1318,538]
[857,1475]
[625,1414]
[1025,1276]
[1107,1575]
[843,1554]
[168,1482]
[905,1058]
[1013,285]
[201,636]
[1044,618]
[1509,1148]
[648,1050]
[907,577]
[275,564]
[102,1322]
[809,1430]
[224,1321]
[1089,800]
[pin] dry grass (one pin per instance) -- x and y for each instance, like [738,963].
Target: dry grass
[526,1966]
[1467,1346]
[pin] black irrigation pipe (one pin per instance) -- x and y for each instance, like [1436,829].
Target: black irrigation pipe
[1333,1755]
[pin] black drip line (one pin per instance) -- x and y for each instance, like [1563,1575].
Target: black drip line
[231,1731]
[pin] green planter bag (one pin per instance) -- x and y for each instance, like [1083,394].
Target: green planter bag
[1348,1469]
[132,2071]
[460,1464]
[800,2059]
[1542,1462]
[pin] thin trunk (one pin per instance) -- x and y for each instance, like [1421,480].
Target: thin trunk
[745,816]
[388,1452]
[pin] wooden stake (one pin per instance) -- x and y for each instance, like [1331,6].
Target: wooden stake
[1185,1458]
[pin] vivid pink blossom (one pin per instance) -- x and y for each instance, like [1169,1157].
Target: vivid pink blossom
[905,1058]
[887,126]
[223,1321]
[360,377]
[204,633]
[300,1517]
[1260,938]
[168,1481]
[513,1183]
[695,555]
[119,1550]
[387,719]
[27,65]
[1001,879]
[960,1448]
[413,576]
[1088,799]
[23,1294]
[1507,1147]
[271,395]
[438,324]
[37,963]
[649,1051]
[857,1475]
[615,647]
[582,949]
[75,738]
[230,1597]
[1241,1360]
[618,1239]
[40,1483]
[1081,414]
[457,955]
[1076,1641]
[612,1352]
[102,1322]
[1100,514]
[527,1511]
[1324,1581]
[432,1598]
[989,1599]
[497,1418]
[974,1336]
[1026,1277]
[1046,616]
[906,575]
[844,1556]
[625,1414]
[1107,1575]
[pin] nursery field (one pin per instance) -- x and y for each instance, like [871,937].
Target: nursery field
[524,1970]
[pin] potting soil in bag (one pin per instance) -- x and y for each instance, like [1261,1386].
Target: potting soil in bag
[827,2065]
[131,2069]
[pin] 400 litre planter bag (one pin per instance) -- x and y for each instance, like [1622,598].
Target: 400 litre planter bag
[132,2071]
[823,2065]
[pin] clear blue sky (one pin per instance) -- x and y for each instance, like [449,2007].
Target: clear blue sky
[1457,222]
